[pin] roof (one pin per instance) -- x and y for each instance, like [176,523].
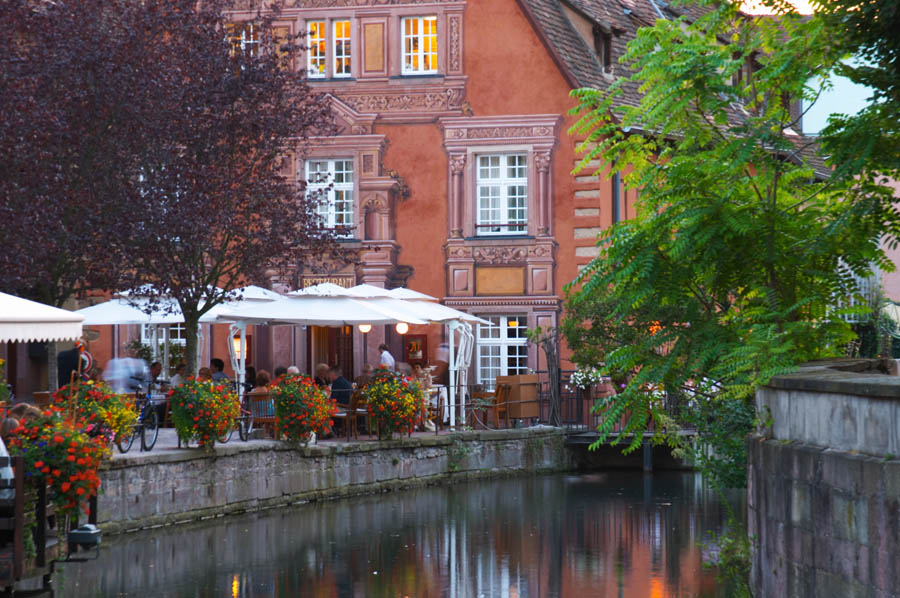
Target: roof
[580,63]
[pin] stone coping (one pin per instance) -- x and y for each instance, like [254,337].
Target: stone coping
[138,459]
[862,377]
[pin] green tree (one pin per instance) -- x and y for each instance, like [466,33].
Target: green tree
[742,246]
[868,32]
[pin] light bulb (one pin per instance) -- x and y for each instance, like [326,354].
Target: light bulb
[402,328]
[365,328]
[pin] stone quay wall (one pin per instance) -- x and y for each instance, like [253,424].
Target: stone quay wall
[159,488]
[824,484]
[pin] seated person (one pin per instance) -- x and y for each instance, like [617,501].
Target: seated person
[341,389]
[280,371]
[262,383]
[293,371]
[321,377]
[204,375]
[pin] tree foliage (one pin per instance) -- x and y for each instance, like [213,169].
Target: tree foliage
[155,145]
[733,267]
[868,31]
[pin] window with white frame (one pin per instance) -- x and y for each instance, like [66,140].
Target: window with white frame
[501,183]
[342,48]
[177,334]
[244,38]
[315,49]
[502,348]
[420,53]
[331,183]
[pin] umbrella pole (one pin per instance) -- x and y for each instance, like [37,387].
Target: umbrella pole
[452,389]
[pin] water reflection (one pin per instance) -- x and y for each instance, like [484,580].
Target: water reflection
[616,534]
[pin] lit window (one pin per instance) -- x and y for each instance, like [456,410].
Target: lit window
[315,53]
[419,45]
[331,183]
[502,192]
[502,348]
[244,39]
[342,48]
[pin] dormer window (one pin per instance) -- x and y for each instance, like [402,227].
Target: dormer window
[603,47]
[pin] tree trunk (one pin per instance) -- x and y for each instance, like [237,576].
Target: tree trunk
[191,328]
[52,367]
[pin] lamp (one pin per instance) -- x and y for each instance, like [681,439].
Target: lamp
[365,328]
[402,327]
[236,342]
[512,323]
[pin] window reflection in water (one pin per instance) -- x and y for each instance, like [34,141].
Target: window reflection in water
[615,534]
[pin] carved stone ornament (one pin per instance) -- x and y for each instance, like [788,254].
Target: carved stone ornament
[457,163]
[460,252]
[542,161]
[455,46]
[539,251]
[405,101]
[499,255]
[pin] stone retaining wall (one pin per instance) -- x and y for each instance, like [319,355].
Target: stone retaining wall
[825,515]
[162,488]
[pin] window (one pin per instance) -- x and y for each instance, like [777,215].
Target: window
[244,39]
[177,334]
[502,192]
[342,48]
[502,348]
[603,47]
[332,180]
[315,52]
[419,45]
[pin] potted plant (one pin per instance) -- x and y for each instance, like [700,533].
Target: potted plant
[301,409]
[59,452]
[97,409]
[203,411]
[395,403]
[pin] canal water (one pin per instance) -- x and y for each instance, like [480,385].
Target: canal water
[617,534]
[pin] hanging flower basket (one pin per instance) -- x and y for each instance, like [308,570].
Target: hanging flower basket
[395,403]
[63,455]
[97,409]
[203,411]
[301,409]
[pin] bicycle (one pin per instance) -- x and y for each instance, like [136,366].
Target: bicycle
[147,427]
[243,423]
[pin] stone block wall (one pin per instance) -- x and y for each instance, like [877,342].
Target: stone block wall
[824,486]
[153,489]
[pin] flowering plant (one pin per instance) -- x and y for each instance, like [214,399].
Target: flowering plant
[301,408]
[59,451]
[394,402]
[585,377]
[203,410]
[97,409]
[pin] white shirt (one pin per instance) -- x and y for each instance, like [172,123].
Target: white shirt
[387,360]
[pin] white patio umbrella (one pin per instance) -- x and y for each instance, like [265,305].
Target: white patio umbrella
[405,293]
[22,320]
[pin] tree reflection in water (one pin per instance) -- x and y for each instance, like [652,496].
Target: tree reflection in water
[612,534]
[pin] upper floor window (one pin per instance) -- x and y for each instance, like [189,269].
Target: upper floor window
[315,52]
[332,180]
[177,334]
[603,47]
[342,48]
[244,38]
[419,45]
[502,194]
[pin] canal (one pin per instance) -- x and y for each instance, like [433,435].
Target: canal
[603,534]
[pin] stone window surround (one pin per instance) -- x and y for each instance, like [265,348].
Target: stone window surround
[467,137]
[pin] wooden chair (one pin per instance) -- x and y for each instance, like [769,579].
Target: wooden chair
[262,408]
[434,408]
[350,416]
[493,403]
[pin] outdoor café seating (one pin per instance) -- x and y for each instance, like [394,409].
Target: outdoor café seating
[262,408]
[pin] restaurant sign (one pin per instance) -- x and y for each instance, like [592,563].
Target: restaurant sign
[341,280]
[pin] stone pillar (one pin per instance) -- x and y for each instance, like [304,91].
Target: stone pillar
[457,166]
[542,165]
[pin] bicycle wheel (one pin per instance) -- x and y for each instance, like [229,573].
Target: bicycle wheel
[124,444]
[245,426]
[226,436]
[150,430]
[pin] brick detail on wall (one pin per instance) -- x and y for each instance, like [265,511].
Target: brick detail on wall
[590,211]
